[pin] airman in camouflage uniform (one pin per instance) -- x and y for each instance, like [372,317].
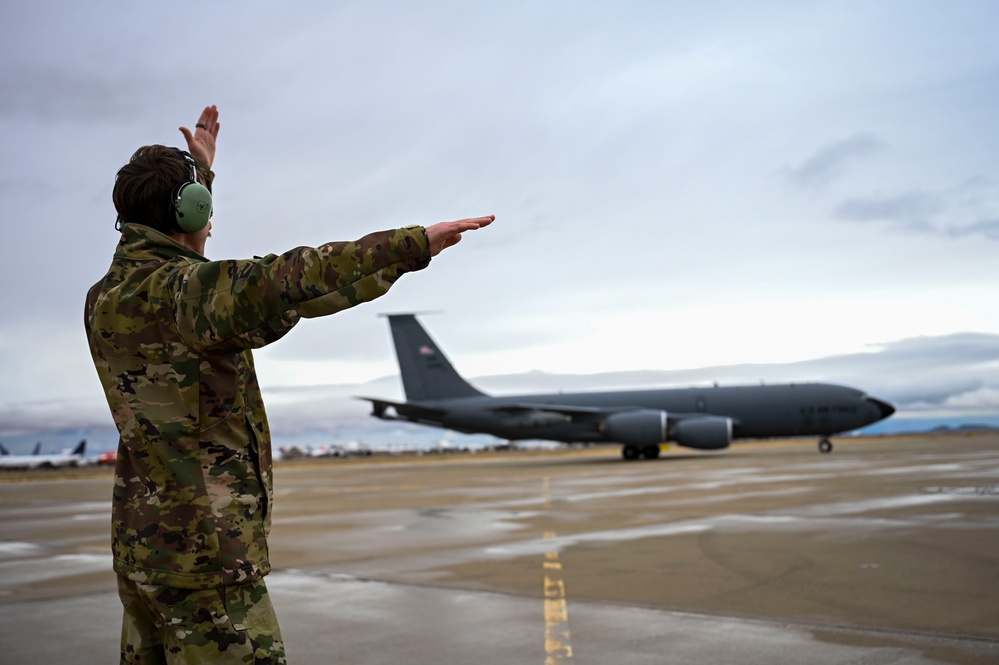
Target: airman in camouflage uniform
[171,335]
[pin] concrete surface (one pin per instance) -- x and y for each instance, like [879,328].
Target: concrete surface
[886,551]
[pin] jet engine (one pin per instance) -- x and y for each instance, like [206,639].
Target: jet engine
[704,433]
[642,427]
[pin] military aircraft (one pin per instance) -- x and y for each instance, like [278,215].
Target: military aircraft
[640,420]
[36,460]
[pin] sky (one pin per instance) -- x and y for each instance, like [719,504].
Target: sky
[684,191]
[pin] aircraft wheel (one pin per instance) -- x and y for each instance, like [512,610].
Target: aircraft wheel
[629,453]
[651,452]
[825,446]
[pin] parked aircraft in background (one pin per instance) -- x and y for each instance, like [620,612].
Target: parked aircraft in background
[74,457]
[37,449]
[640,420]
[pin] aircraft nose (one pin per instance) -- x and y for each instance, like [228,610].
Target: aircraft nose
[885,408]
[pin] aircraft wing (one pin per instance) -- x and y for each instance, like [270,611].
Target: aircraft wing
[564,409]
[381,405]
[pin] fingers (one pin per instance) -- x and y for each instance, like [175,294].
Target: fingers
[207,127]
[446,234]
[193,146]
[476,222]
[471,224]
[209,120]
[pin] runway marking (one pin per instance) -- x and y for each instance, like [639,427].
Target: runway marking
[557,646]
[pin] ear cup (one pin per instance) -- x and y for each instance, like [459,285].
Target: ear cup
[192,203]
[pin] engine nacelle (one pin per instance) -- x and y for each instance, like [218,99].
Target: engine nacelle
[642,427]
[704,433]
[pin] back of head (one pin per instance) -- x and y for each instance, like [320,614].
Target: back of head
[143,187]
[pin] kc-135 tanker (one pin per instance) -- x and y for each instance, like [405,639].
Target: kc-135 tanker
[640,420]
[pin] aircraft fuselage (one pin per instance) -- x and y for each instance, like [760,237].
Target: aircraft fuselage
[805,409]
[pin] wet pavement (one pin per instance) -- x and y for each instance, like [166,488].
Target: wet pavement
[886,551]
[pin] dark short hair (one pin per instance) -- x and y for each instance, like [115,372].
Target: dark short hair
[143,187]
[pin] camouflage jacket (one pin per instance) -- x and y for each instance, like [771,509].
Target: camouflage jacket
[171,335]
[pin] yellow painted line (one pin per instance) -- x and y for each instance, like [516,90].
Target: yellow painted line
[558,648]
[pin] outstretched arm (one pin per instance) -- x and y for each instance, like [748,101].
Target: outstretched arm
[201,144]
[446,234]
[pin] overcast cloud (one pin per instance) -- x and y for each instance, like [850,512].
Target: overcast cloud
[677,185]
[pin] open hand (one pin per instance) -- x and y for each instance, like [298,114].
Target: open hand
[201,144]
[446,234]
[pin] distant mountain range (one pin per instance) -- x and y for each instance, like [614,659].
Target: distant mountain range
[971,427]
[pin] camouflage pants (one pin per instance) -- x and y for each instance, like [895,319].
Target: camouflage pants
[233,624]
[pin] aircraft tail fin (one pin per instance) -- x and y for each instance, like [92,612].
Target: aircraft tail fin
[427,374]
[80,448]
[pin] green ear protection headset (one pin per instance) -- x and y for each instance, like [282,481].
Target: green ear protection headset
[190,201]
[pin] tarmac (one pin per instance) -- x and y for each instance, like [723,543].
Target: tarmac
[885,551]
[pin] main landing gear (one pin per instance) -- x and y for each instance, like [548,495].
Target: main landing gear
[630,452]
[825,445]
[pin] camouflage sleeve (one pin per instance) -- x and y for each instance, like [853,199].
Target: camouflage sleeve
[207,174]
[251,303]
